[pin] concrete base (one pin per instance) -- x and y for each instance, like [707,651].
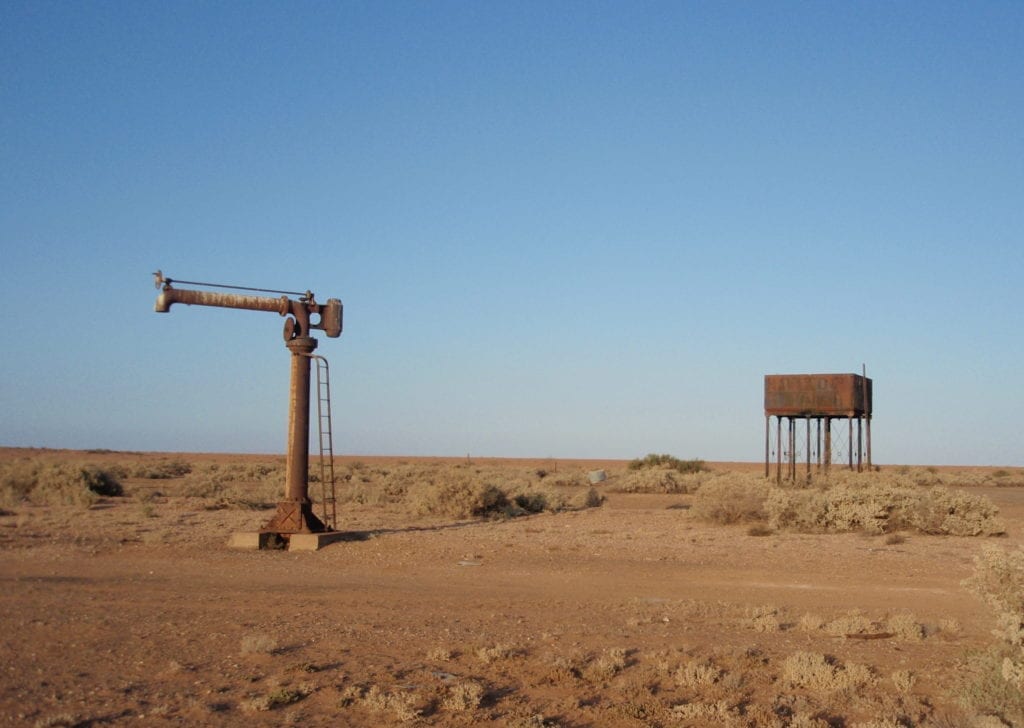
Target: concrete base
[313,541]
[256,540]
[253,540]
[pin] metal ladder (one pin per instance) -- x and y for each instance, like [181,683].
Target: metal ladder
[323,417]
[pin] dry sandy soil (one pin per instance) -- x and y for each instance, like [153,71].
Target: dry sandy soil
[134,612]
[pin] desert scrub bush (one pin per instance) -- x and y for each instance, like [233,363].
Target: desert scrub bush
[460,496]
[699,713]
[48,483]
[985,688]
[653,460]
[1008,479]
[463,695]
[572,479]
[278,698]
[731,498]
[997,675]
[817,672]
[878,507]
[854,622]
[764,619]
[487,655]
[203,485]
[903,680]
[609,664]
[403,706]
[258,644]
[697,673]
[656,480]
[998,580]
[956,513]
[440,654]
[531,502]
[159,470]
[556,500]
[906,627]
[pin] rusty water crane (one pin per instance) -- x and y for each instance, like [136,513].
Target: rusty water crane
[294,513]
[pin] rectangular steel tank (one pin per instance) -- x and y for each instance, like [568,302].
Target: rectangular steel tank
[817,395]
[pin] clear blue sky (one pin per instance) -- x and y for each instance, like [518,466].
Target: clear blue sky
[559,229]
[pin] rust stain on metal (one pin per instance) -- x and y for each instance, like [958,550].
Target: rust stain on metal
[817,395]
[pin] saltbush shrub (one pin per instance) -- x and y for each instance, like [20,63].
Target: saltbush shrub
[731,498]
[654,460]
[994,678]
[656,480]
[46,483]
[881,507]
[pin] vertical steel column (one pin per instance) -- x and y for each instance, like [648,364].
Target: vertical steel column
[807,428]
[778,450]
[767,444]
[297,486]
[868,425]
[817,421]
[866,407]
[295,512]
[828,444]
[849,430]
[860,445]
[792,449]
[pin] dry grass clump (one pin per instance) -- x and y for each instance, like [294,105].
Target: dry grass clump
[464,695]
[731,498]
[609,664]
[53,483]
[698,713]
[815,671]
[697,673]
[279,698]
[811,622]
[854,622]
[906,627]
[258,644]
[404,706]
[764,619]
[487,655]
[439,654]
[61,720]
[565,669]
[903,680]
